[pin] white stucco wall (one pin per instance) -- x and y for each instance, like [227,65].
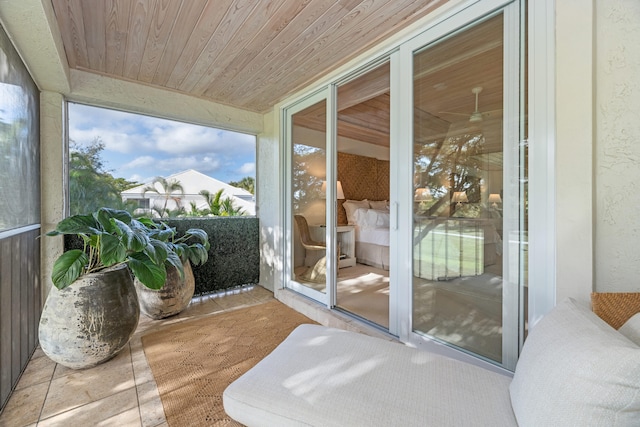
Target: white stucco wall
[269,203]
[617,149]
[574,87]
[52,159]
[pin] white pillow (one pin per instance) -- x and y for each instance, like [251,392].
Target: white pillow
[380,205]
[371,218]
[576,370]
[350,207]
[360,217]
[378,218]
[631,329]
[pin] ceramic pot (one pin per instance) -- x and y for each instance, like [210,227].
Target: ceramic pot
[172,298]
[90,321]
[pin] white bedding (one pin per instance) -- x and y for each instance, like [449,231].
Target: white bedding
[372,226]
[450,247]
[376,236]
[372,236]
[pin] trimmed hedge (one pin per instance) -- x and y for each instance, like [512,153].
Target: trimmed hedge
[234,256]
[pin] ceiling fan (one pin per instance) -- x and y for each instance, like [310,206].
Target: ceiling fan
[477,116]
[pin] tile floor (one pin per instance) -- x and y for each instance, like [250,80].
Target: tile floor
[120,392]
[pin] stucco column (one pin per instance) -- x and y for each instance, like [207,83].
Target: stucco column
[269,203]
[52,182]
[574,150]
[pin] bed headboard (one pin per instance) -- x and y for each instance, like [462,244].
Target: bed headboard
[615,308]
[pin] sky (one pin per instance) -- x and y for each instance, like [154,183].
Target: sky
[139,148]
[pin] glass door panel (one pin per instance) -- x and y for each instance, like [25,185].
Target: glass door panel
[308,138]
[459,190]
[363,171]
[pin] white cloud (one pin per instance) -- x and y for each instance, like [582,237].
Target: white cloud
[149,146]
[247,168]
[180,138]
[137,178]
[176,164]
[139,162]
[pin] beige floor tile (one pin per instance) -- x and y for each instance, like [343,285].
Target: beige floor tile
[120,392]
[79,387]
[235,301]
[261,294]
[141,370]
[147,392]
[38,353]
[24,406]
[39,369]
[201,309]
[122,358]
[152,412]
[120,409]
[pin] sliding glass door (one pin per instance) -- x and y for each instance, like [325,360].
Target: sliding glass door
[420,152]
[468,203]
[363,170]
[311,250]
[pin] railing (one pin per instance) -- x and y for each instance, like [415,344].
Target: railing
[20,304]
[446,248]
[234,256]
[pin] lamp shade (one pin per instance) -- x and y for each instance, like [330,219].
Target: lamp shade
[422,194]
[494,199]
[339,192]
[460,197]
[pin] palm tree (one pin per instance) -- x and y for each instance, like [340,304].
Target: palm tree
[248,183]
[219,206]
[213,200]
[228,209]
[194,211]
[169,190]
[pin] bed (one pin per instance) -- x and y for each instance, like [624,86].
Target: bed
[371,221]
[443,247]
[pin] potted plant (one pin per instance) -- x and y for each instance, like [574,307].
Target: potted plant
[176,294]
[90,322]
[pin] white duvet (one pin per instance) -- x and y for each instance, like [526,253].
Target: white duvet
[372,226]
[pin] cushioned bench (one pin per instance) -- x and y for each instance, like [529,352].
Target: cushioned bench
[574,370]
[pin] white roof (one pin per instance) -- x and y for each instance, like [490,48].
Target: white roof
[193,182]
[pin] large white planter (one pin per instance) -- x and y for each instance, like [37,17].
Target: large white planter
[172,298]
[91,320]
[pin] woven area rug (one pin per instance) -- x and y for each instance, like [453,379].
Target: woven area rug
[193,362]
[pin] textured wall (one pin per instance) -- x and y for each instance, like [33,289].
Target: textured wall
[617,154]
[362,178]
[268,203]
[52,131]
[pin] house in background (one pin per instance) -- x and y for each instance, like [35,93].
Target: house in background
[569,95]
[193,182]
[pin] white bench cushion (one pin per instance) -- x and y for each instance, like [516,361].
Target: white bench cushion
[576,370]
[631,329]
[321,376]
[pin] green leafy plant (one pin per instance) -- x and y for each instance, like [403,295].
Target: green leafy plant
[111,237]
[193,245]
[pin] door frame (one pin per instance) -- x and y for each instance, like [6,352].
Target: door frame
[450,19]
[288,277]
[472,15]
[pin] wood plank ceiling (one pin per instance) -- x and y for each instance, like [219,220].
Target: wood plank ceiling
[248,54]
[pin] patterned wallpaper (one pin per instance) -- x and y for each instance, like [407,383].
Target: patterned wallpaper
[362,178]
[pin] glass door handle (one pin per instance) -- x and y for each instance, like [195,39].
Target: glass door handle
[394,215]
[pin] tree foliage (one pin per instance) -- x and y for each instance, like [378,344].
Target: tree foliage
[90,185]
[247,183]
[167,190]
[219,206]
